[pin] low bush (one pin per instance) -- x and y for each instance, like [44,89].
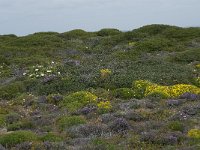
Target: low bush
[194,133]
[17,137]
[69,121]
[2,120]
[51,137]
[108,32]
[145,88]
[104,106]
[10,91]
[124,93]
[176,126]
[20,125]
[77,100]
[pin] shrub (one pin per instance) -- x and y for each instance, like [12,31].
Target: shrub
[124,93]
[145,88]
[119,125]
[176,126]
[187,56]
[100,143]
[17,137]
[51,137]
[153,44]
[140,87]
[194,133]
[158,95]
[20,125]
[196,81]
[105,73]
[104,107]
[77,100]
[179,89]
[54,98]
[2,120]
[12,118]
[12,90]
[108,32]
[69,121]
[76,34]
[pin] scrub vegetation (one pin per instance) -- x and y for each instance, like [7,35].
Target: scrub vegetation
[101,90]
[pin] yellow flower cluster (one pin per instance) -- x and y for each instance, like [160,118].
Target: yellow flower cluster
[172,91]
[147,88]
[194,133]
[105,73]
[104,105]
[198,66]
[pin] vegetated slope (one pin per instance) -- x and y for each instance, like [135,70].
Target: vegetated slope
[101,90]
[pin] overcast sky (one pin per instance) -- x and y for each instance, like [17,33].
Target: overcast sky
[22,17]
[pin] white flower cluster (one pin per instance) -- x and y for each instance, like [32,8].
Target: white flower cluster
[38,71]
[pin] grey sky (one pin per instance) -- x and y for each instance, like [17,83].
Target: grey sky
[23,17]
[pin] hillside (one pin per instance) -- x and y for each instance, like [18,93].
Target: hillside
[103,90]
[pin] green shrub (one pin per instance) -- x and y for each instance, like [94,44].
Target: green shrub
[187,56]
[124,93]
[17,137]
[153,29]
[103,144]
[20,125]
[62,86]
[158,95]
[77,100]
[153,44]
[108,32]
[69,121]
[54,98]
[76,34]
[2,120]
[176,126]
[182,34]
[12,90]
[51,137]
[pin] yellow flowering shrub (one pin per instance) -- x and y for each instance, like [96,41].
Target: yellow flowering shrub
[140,87]
[104,106]
[144,88]
[79,99]
[179,89]
[198,66]
[105,73]
[194,133]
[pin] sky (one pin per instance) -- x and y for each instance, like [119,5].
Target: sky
[23,17]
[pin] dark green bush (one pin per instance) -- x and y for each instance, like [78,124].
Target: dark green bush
[69,121]
[10,91]
[62,86]
[153,44]
[176,126]
[17,137]
[153,29]
[2,120]
[124,93]
[108,32]
[187,56]
[157,95]
[51,137]
[76,34]
[20,125]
